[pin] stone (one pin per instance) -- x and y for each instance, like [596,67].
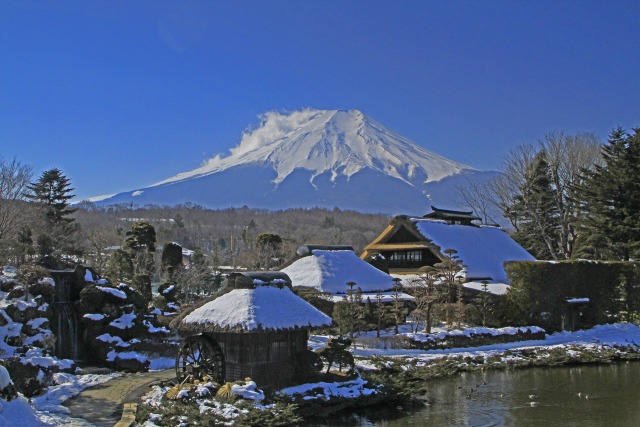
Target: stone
[16,292]
[131,365]
[27,378]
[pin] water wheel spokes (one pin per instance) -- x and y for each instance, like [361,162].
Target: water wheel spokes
[200,358]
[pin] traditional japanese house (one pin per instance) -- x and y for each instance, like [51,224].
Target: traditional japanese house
[410,243]
[256,330]
[328,269]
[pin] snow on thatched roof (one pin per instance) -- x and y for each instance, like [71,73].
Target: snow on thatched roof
[261,308]
[483,250]
[330,270]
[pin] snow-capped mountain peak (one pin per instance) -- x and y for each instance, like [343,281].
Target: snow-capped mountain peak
[341,142]
[316,158]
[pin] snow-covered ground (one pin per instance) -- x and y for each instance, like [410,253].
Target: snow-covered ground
[619,334]
[47,410]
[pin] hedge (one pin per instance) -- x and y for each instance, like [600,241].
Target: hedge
[540,289]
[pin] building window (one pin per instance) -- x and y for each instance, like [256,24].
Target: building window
[410,259]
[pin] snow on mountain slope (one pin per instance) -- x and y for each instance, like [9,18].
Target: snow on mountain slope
[316,158]
[336,141]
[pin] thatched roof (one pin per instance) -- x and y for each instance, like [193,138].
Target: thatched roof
[483,250]
[259,309]
[330,270]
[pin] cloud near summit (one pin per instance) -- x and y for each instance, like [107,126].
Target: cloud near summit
[273,126]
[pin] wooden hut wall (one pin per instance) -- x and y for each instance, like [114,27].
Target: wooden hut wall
[267,357]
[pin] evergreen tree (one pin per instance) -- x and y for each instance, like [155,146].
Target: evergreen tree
[537,212]
[120,266]
[141,241]
[141,236]
[268,251]
[52,190]
[610,200]
[24,247]
[446,273]
[171,260]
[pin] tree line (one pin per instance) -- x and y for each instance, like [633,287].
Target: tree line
[568,196]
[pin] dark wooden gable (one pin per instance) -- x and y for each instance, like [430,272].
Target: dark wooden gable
[402,235]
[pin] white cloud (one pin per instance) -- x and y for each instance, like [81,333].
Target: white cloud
[273,127]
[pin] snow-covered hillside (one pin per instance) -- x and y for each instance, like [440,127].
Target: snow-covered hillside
[316,158]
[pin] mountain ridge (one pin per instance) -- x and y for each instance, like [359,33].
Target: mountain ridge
[333,158]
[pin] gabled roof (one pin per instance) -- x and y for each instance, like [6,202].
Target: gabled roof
[261,308]
[330,270]
[483,250]
[450,215]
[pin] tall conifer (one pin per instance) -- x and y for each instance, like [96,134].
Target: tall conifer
[610,201]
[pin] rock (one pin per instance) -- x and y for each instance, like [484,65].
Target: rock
[168,291]
[111,310]
[44,289]
[16,293]
[22,312]
[131,364]
[28,379]
[30,330]
[91,300]
[7,285]
[133,297]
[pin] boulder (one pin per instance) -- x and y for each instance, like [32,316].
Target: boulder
[133,297]
[22,312]
[7,284]
[43,288]
[130,364]
[16,292]
[111,311]
[29,380]
[91,300]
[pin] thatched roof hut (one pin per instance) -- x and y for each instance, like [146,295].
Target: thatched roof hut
[260,327]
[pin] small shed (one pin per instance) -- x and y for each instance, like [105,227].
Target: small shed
[257,330]
[571,318]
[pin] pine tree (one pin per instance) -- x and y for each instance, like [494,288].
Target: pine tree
[610,200]
[537,212]
[141,241]
[141,236]
[171,260]
[52,190]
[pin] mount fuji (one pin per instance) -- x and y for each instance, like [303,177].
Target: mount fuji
[316,158]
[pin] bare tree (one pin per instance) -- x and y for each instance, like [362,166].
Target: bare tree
[566,156]
[14,178]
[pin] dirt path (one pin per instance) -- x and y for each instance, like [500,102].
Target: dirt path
[102,405]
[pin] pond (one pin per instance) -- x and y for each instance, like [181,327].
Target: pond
[606,395]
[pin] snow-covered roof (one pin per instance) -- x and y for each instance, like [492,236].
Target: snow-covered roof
[483,250]
[264,307]
[492,288]
[385,297]
[330,270]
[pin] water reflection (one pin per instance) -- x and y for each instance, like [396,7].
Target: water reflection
[585,396]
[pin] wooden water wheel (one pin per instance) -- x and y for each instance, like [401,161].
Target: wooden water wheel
[200,357]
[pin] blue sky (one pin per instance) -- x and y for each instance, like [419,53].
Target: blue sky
[122,94]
